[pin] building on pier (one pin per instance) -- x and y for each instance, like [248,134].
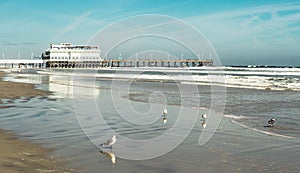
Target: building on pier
[66,55]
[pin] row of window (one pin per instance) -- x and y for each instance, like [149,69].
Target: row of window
[55,57]
[74,51]
[72,48]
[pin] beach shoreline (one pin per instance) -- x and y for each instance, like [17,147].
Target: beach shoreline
[19,155]
[15,90]
[232,148]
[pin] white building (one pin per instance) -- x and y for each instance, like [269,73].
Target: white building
[68,55]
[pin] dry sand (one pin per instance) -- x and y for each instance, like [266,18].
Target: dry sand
[17,155]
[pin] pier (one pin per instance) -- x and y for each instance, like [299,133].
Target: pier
[66,55]
[40,63]
[156,63]
[22,63]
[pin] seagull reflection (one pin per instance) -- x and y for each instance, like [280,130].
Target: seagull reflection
[109,155]
[164,118]
[204,124]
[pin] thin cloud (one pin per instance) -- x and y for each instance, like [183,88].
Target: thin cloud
[72,25]
[10,44]
[266,33]
[28,43]
[17,44]
[251,23]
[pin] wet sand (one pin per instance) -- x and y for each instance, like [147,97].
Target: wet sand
[15,90]
[18,155]
[22,156]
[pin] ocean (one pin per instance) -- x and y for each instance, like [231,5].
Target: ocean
[89,105]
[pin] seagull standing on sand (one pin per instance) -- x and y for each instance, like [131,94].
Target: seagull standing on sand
[204,116]
[271,122]
[110,141]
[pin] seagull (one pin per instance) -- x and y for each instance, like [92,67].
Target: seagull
[271,122]
[165,111]
[110,141]
[204,116]
[109,155]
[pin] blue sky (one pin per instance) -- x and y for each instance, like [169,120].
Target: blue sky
[241,32]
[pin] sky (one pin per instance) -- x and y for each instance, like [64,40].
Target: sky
[252,32]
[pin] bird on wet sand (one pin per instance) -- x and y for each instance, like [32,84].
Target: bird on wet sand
[204,116]
[271,122]
[109,142]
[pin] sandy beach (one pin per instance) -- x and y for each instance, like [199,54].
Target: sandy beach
[19,155]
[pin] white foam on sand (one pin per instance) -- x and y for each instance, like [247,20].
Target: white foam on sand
[236,117]
[239,117]
[262,131]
